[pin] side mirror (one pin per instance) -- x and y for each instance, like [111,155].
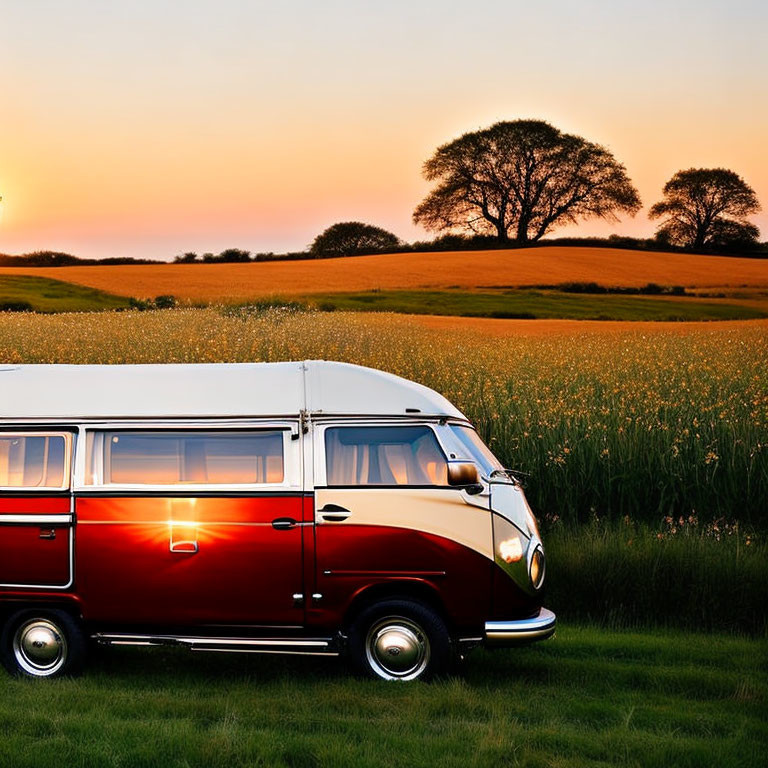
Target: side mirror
[464,474]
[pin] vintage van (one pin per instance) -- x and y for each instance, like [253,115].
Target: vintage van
[307,508]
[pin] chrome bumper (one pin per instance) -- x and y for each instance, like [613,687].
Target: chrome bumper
[505,634]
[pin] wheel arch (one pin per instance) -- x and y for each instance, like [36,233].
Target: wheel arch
[10,607]
[402,589]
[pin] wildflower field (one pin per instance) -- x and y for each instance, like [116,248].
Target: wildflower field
[648,440]
[632,423]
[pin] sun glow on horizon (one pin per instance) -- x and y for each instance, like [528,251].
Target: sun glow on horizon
[139,130]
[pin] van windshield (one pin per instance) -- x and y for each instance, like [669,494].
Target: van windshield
[476,448]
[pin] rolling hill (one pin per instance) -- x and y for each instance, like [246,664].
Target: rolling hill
[464,270]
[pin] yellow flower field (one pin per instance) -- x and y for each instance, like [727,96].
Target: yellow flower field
[645,420]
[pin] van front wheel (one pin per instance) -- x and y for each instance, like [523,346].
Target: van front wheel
[42,644]
[399,640]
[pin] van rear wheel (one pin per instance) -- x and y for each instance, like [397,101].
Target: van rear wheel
[399,640]
[46,643]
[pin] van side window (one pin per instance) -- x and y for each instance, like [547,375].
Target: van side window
[384,456]
[189,457]
[33,461]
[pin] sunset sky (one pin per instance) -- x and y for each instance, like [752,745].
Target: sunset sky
[151,128]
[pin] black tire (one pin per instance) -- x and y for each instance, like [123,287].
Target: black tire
[42,643]
[399,640]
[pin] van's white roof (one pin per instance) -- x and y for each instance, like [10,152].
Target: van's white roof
[225,390]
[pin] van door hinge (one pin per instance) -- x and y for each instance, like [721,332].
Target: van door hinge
[305,421]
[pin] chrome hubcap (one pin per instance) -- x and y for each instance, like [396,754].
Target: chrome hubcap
[397,649]
[39,647]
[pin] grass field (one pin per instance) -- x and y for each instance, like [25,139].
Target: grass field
[535,305]
[467,270]
[41,294]
[678,574]
[586,698]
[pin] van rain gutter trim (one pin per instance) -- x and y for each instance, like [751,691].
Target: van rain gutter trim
[35,519]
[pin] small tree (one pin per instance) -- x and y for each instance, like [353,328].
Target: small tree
[190,257]
[350,238]
[519,179]
[234,255]
[706,208]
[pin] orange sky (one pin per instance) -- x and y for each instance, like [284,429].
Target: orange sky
[145,131]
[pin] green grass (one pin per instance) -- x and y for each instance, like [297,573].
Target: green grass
[626,575]
[41,294]
[586,698]
[534,304]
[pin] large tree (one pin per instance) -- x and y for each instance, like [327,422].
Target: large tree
[519,179]
[350,238]
[706,208]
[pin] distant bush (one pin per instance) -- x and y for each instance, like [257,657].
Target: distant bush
[273,307]
[190,257]
[60,259]
[353,238]
[166,301]
[572,287]
[16,306]
[227,256]
[234,256]
[649,289]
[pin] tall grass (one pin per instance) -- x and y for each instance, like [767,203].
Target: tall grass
[628,423]
[625,575]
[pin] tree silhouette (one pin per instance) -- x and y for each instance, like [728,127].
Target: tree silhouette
[519,179]
[706,208]
[190,257]
[349,238]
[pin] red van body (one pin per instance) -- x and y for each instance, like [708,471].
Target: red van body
[308,507]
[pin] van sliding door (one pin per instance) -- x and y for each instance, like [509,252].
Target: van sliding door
[191,526]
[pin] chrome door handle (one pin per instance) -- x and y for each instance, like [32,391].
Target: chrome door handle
[184,547]
[283,523]
[333,513]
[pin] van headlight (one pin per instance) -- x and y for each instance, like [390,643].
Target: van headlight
[537,567]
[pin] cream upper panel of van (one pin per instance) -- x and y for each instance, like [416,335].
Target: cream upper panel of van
[224,390]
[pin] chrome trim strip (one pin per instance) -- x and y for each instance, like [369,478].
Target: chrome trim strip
[32,519]
[219,640]
[416,574]
[522,631]
[312,646]
[268,651]
[189,524]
